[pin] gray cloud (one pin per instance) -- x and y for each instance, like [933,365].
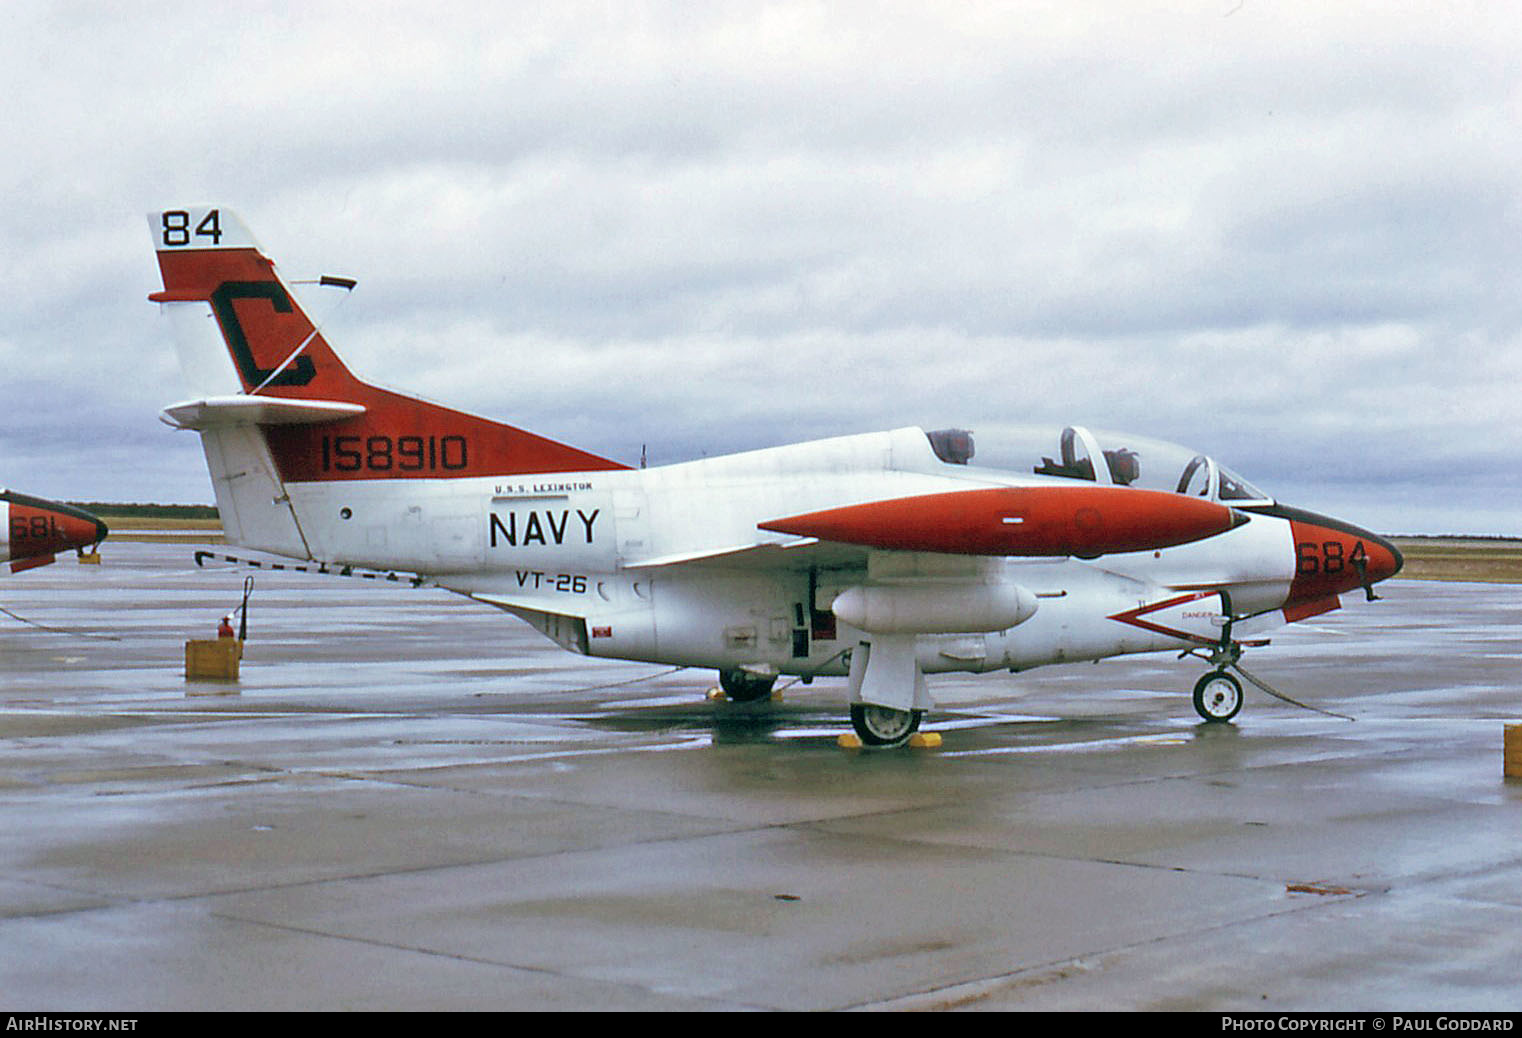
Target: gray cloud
[1284,234]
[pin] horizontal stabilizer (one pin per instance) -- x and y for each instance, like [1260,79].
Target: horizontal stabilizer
[256,410]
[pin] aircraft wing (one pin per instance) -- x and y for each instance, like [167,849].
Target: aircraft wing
[799,554]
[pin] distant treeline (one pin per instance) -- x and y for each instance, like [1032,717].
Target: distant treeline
[106,510]
[1452,537]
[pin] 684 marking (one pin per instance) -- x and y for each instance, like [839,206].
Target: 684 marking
[1328,557]
[394,453]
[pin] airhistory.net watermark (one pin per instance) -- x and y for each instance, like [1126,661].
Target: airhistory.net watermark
[47,1023]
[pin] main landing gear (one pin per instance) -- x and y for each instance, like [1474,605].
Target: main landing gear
[741,686]
[877,726]
[883,725]
[888,693]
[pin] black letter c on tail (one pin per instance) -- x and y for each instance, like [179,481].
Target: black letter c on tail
[297,374]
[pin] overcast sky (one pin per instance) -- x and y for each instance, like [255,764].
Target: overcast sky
[1287,234]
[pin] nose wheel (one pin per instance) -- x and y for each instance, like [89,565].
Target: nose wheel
[1218,696]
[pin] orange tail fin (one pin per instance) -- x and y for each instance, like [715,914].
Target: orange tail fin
[207,256]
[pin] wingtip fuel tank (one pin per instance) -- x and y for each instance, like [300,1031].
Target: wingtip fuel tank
[1039,521]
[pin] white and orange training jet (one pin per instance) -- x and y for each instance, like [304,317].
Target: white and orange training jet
[881,557]
[36,530]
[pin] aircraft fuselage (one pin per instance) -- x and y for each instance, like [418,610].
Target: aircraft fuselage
[635,563]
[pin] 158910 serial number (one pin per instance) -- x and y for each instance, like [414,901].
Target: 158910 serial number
[394,453]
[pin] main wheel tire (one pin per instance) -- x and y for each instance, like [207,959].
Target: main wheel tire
[741,686]
[883,725]
[1217,696]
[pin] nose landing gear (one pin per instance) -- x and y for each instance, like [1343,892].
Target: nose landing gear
[1217,696]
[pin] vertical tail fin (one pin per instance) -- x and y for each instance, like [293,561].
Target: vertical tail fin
[346,429]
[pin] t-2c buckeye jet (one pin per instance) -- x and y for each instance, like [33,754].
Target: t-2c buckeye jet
[880,557]
[36,530]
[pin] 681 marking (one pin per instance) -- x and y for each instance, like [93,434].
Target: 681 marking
[35,527]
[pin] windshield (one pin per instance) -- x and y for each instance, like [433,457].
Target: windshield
[1099,456]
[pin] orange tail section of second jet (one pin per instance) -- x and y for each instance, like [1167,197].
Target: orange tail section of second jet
[206,255]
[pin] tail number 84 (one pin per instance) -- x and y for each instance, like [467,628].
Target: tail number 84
[175,228]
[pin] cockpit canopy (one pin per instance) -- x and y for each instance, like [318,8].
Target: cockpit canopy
[1116,459]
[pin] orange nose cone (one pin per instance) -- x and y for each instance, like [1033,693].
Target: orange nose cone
[38,528]
[78,531]
[1385,559]
[1333,557]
